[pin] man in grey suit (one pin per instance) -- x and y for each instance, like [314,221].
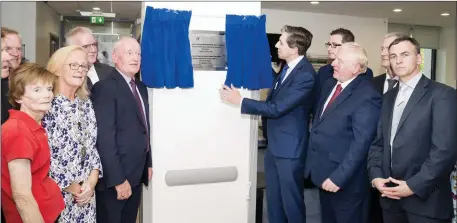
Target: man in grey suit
[415,149]
[84,37]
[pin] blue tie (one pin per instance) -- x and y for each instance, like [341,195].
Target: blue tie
[283,74]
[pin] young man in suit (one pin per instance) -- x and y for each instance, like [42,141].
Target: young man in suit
[342,131]
[84,37]
[387,81]
[286,113]
[122,111]
[415,148]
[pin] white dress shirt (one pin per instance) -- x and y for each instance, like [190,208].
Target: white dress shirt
[128,79]
[343,85]
[92,75]
[292,64]
[386,83]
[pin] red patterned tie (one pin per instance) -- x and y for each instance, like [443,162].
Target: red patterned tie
[335,94]
[138,102]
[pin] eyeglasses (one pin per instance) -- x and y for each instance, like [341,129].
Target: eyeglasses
[334,45]
[88,46]
[75,66]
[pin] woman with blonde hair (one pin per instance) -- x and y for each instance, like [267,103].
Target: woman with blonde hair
[28,193]
[72,132]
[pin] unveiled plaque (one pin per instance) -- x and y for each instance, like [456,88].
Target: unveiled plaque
[208,50]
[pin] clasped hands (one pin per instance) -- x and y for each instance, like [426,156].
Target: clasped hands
[81,193]
[401,190]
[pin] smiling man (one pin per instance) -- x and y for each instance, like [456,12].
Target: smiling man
[122,111]
[285,113]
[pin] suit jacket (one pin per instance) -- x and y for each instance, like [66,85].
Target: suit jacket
[379,81]
[103,71]
[5,103]
[341,137]
[122,138]
[325,73]
[286,111]
[423,151]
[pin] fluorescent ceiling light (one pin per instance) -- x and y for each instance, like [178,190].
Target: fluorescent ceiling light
[397,10]
[445,14]
[314,3]
[104,14]
[96,8]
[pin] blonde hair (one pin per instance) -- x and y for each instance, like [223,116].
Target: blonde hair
[25,74]
[56,63]
[359,54]
[70,37]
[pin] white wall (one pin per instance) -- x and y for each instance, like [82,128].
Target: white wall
[368,32]
[21,16]
[446,69]
[47,21]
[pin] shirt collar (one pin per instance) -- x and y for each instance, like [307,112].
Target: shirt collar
[412,83]
[294,62]
[25,118]
[127,78]
[346,83]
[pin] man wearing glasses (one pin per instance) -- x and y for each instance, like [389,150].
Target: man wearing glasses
[337,38]
[83,36]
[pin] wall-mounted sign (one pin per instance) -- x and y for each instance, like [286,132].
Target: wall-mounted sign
[97,20]
[208,50]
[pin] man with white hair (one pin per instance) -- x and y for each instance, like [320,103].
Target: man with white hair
[84,37]
[122,111]
[387,81]
[344,127]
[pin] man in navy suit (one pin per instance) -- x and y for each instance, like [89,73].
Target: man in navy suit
[286,113]
[341,134]
[122,111]
[337,38]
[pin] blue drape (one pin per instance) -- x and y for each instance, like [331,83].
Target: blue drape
[166,60]
[248,52]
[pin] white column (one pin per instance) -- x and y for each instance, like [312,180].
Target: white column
[195,136]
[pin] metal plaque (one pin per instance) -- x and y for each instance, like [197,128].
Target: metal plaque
[208,50]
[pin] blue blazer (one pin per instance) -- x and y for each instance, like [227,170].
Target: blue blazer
[341,137]
[122,138]
[286,112]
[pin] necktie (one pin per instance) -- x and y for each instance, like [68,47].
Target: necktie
[138,102]
[283,74]
[391,83]
[335,94]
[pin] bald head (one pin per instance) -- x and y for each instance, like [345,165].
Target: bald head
[127,56]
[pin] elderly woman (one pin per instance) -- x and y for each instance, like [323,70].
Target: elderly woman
[27,191]
[72,132]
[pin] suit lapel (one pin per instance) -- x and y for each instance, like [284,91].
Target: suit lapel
[417,94]
[347,91]
[390,101]
[290,76]
[125,88]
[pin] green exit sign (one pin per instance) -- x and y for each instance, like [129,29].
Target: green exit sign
[97,20]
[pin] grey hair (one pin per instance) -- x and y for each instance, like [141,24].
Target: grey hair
[70,37]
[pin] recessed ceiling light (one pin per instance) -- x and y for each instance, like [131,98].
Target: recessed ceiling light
[445,14]
[397,10]
[96,8]
[314,3]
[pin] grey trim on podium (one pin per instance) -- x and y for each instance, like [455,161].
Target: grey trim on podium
[201,176]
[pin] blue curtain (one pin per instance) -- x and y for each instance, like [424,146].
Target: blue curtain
[248,52]
[166,60]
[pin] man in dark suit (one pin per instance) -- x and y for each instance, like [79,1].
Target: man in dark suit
[337,38]
[383,83]
[387,81]
[286,112]
[415,148]
[341,134]
[122,111]
[84,37]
